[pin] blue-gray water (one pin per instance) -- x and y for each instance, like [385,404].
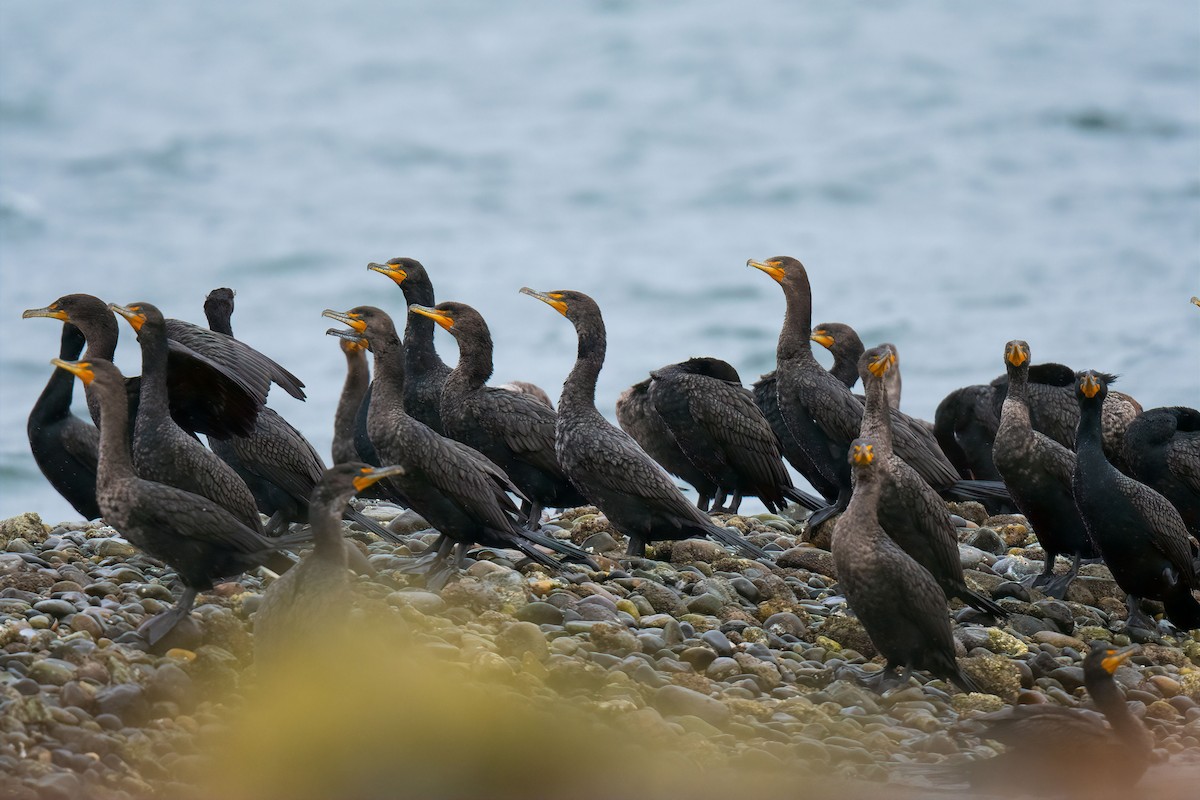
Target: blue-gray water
[953,174]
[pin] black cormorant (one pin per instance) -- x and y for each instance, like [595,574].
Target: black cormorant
[1140,534]
[1162,449]
[636,495]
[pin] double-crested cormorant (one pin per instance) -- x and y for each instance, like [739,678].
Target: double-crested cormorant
[199,539]
[1055,750]
[965,425]
[65,448]
[720,429]
[531,389]
[280,466]
[1037,471]
[206,396]
[424,370]
[604,462]
[766,397]
[315,593]
[637,417]
[825,417]
[898,602]
[452,486]
[1162,449]
[846,347]
[1140,534]
[162,451]
[358,378]
[513,429]
[910,512]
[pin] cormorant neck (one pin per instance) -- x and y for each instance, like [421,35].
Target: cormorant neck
[1089,436]
[388,388]
[420,356]
[116,463]
[797,322]
[864,503]
[1108,699]
[101,338]
[474,361]
[579,390]
[218,324]
[153,396]
[54,402]
[1016,400]
[877,416]
[325,518]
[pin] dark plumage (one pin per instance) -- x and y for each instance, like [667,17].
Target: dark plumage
[280,466]
[206,396]
[200,540]
[424,371]
[354,389]
[1162,449]
[719,428]
[1051,749]
[846,347]
[965,425]
[313,598]
[452,486]
[898,602]
[164,452]
[637,417]
[910,511]
[1037,471]
[1140,534]
[825,417]
[65,448]
[766,397]
[604,462]
[513,429]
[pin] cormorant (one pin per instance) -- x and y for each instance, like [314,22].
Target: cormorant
[637,417]
[719,428]
[1162,449]
[280,466]
[898,602]
[1037,471]
[315,593]
[1140,534]
[513,429]
[825,417]
[201,540]
[218,399]
[65,448]
[358,377]
[910,511]
[424,370]
[452,486]
[604,462]
[162,451]
[531,389]
[1054,750]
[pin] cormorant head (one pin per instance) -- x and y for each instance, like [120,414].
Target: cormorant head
[369,326]
[1196,301]
[218,308]
[575,306]
[878,360]
[784,269]
[835,335]
[401,270]
[93,370]
[1107,657]
[139,314]
[342,481]
[1016,352]
[862,452]
[1091,384]
[84,310]
[454,317]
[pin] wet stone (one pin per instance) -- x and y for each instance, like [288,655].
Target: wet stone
[55,608]
[52,671]
[718,641]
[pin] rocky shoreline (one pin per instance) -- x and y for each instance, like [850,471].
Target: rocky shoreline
[705,666]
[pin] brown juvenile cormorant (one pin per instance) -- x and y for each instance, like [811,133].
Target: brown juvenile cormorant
[358,377]
[910,512]
[1162,449]
[636,495]
[719,428]
[424,370]
[65,448]
[513,429]
[1056,750]
[1037,471]
[825,417]
[315,594]
[217,399]
[280,466]
[164,452]
[637,417]
[452,486]
[1140,534]
[201,540]
[898,602]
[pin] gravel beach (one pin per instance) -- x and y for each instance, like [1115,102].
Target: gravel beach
[691,673]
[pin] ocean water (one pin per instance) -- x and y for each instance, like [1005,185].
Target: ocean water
[954,175]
